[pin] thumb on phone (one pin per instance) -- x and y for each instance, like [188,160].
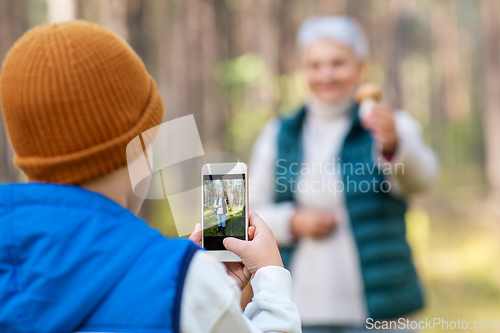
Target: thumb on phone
[261,250]
[196,235]
[235,245]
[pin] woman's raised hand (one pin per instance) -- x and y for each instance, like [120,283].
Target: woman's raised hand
[382,124]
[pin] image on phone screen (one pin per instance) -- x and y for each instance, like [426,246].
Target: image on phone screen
[224,209]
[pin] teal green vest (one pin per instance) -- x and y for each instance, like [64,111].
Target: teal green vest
[392,288]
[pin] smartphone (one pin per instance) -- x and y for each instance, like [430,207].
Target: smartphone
[224,200]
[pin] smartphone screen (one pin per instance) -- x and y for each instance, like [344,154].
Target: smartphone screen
[224,209]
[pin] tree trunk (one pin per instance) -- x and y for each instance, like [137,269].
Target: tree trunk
[490,38]
[12,25]
[61,10]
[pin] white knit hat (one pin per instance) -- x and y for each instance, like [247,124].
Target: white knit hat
[342,29]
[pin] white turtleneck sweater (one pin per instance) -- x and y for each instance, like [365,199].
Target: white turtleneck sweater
[327,282]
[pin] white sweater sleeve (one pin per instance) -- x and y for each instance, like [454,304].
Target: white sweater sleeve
[262,186]
[211,300]
[420,166]
[414,166]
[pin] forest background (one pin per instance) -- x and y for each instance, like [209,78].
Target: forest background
[232,62]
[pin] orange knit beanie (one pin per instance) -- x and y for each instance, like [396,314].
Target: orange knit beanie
[73,95]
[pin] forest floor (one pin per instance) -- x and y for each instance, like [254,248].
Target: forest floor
[457,254]
[235,224]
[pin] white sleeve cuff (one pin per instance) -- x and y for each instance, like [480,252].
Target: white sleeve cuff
[273,282]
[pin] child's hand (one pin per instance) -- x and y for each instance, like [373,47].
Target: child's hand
[239,272]
[261,250]
[237,269]
[196,235]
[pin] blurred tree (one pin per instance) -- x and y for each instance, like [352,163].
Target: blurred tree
[13,23]
[391,32]
[113,15]
[490,37]
[61,10]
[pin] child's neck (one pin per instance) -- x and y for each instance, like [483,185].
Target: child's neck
[116,186]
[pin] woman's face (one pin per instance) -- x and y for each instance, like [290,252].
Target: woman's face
[221,194]
[331,70]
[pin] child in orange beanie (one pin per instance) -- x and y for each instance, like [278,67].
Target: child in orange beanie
[73,256]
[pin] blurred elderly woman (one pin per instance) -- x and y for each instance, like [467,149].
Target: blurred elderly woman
[332,182]
[220,205]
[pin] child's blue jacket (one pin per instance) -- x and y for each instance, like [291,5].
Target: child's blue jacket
[74,260]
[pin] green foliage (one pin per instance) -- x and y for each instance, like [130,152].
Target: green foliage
[245,69]
[243,128]
[293,91]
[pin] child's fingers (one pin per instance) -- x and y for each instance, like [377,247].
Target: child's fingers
[237,246]
[251,232]
[257,222]
[196,235]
